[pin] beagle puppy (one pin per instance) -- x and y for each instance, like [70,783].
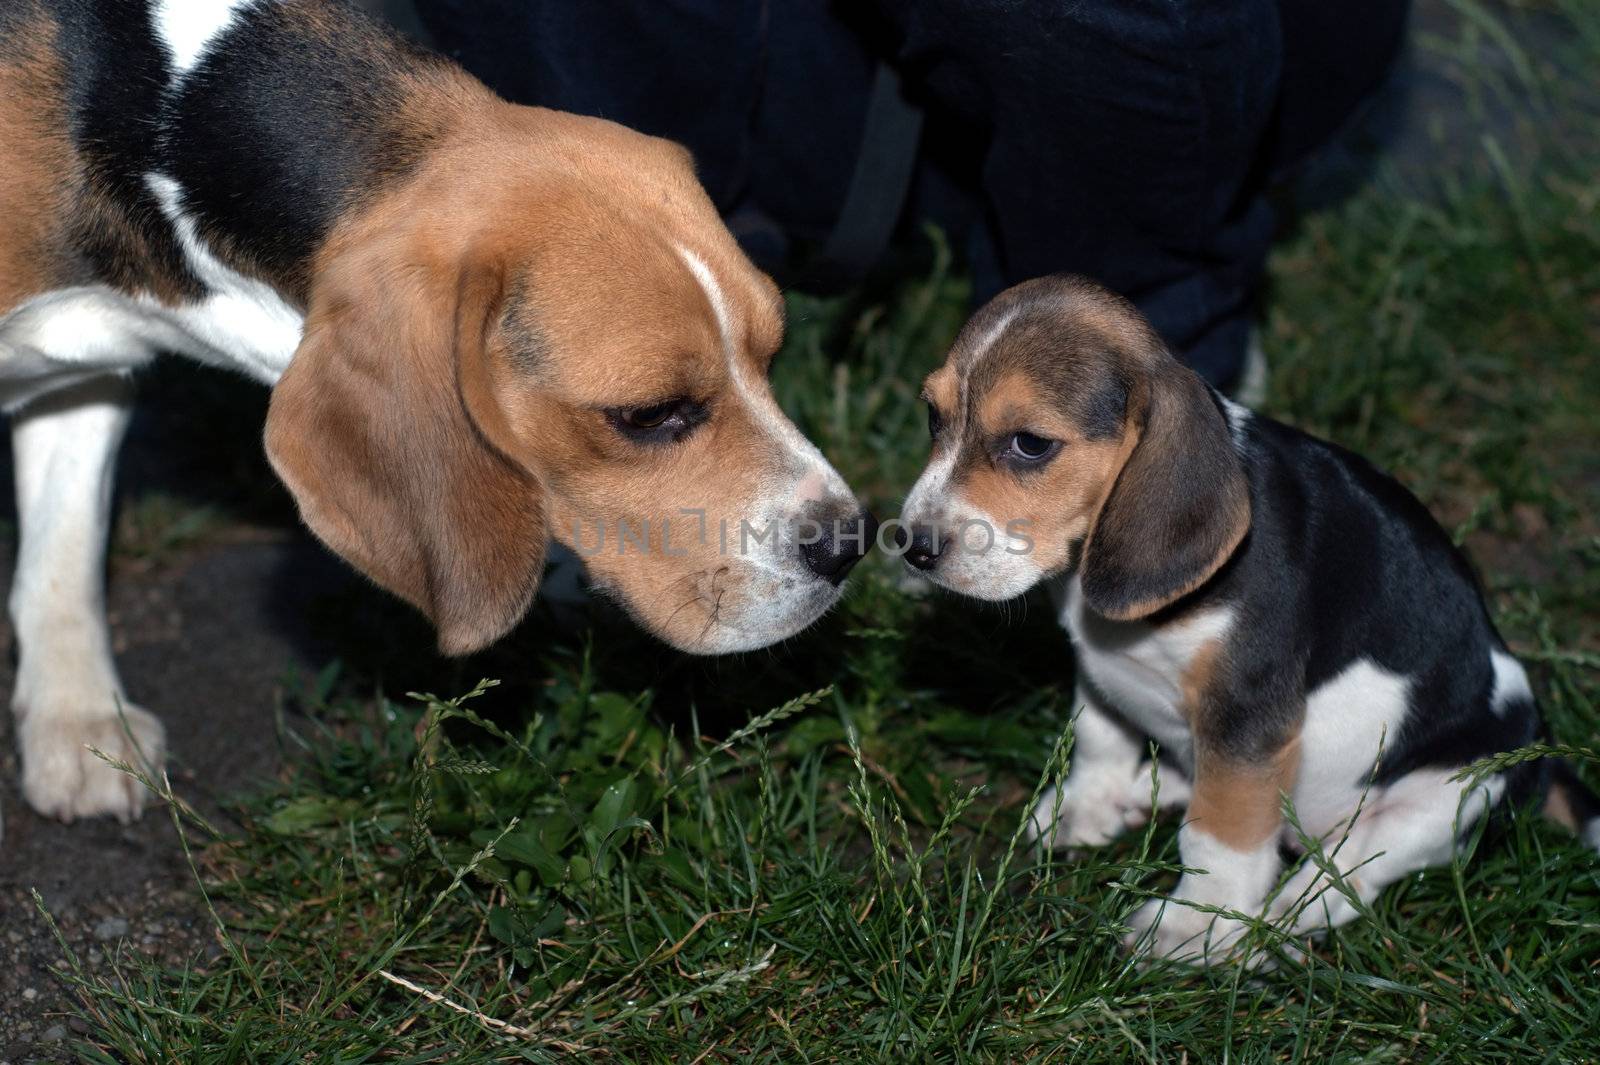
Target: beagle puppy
[1281,618]
[488,327]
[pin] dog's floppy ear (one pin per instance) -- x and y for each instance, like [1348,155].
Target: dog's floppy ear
[383,427]
[1179,506]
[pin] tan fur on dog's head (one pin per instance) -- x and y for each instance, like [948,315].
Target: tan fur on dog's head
[545,333]
[1067,435]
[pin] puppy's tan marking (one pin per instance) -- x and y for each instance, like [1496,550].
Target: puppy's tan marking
[1236,800]
[940,390]
[1241,805]
[1199,678]
[1014,401]
[1558,808]
[1058,503]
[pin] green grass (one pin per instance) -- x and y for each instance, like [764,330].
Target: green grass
[630,856]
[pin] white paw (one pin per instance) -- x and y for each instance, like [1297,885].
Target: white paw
[1093,806]
[62,777]
[1167,928]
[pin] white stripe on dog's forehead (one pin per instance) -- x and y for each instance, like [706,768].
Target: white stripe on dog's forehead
[976,353]
[932,491]
[719,306]
[755,396]
[972,356]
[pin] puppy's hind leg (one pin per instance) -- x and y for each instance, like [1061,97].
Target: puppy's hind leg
[1412,824]
[68,698]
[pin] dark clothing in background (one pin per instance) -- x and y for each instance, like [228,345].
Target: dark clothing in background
[1131,140]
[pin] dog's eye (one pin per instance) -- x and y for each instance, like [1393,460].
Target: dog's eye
[1030,448]
[935,422]
[659,422]
[649,417]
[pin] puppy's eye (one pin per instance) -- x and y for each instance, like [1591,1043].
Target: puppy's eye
[658,422]
[1027,447]
[935,422]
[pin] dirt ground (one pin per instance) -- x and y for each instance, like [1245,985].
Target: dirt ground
[210,625]
[206,637]
[219,603]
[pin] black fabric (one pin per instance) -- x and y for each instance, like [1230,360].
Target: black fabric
[878,186]
[1131,141]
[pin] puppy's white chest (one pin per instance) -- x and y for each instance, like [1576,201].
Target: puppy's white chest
[1138,669]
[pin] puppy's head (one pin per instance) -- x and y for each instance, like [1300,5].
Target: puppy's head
[1064,434]
[545,333]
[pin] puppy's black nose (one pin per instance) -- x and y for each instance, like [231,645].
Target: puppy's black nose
[840,545]
[923,551]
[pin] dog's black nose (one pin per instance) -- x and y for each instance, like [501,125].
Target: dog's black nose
[840,545]
[923,551]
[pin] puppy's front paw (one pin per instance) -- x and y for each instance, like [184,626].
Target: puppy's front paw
[1093,806]
[1314,900]
[1166,928]
[62,777]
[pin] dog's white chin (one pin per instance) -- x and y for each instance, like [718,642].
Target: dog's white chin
[758,621]
[995,585]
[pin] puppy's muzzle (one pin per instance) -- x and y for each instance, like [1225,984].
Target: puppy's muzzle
[921,546]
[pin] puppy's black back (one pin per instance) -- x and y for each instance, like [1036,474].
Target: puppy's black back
[1343,563]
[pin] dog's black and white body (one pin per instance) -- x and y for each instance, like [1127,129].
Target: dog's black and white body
[1280,616]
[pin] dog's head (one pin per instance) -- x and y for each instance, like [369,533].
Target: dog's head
[1065,434]
[545,333]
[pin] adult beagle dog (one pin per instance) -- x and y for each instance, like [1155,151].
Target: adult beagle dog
[488,327]
[1279,616]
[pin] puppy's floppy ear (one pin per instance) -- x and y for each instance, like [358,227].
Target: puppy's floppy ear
[1179,507]
[383,427]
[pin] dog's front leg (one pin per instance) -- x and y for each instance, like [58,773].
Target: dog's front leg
[1109,786]
[1230,841]
[68,698]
